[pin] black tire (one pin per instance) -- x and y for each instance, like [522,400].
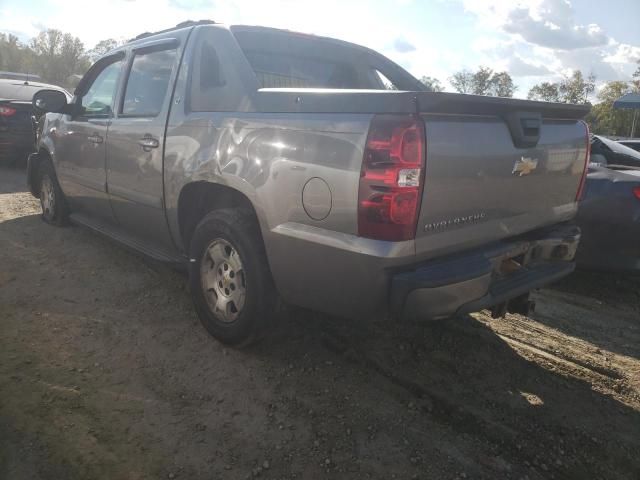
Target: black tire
[237,229]
[54,206]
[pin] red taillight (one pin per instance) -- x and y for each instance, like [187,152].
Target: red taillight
[391,178]
[636,192]
[587,154]
[6,111]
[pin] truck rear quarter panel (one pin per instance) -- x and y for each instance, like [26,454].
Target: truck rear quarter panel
[270,158]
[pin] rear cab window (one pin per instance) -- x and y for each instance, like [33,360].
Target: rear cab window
[281,70]
[282,59]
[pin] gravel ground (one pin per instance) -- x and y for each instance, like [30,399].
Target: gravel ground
[106,373]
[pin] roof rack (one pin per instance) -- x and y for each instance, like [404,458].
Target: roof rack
[185,24]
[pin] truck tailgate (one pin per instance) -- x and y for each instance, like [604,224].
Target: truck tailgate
[480,187]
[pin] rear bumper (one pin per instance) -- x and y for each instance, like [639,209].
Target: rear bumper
[484,278]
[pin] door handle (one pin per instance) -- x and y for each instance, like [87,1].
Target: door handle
[147,143]
[95,138]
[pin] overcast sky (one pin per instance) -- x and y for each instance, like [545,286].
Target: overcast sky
[534,40]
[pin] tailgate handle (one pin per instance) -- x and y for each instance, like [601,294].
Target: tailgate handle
[525,128]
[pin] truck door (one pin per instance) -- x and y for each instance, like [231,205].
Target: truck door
[136,142]
[80,141]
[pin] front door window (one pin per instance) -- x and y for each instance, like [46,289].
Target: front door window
[98,100]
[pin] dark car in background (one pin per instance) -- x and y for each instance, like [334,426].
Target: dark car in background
[16,125]
[609,214]
[609,152]
[633,143]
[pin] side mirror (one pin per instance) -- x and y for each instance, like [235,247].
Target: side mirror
[50,101]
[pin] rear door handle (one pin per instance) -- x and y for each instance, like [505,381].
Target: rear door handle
[147,143]
[95,138]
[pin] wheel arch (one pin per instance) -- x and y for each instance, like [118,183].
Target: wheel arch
[33,166]
[198,198]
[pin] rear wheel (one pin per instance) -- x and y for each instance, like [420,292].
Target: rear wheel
[230,279]
[52,201]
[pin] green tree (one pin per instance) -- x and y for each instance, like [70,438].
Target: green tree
[545,91]
[14,56]
[432,84]
[483,81]
[576,89]
[462,81]
[102,47]
[572,89]
[603,118]
[635,82]
[59,56]
[503,85]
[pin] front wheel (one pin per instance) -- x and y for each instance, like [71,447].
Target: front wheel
[52,201]
[230,280]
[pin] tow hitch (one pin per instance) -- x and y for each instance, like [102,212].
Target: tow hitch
[521,305]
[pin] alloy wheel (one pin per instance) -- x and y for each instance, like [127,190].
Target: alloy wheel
[223,280]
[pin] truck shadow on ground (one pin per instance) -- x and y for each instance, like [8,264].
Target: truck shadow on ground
[14,173]
[611,287]
[462,376]
[599,307]
[382,398]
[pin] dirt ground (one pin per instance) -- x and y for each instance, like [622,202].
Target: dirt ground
[106,373]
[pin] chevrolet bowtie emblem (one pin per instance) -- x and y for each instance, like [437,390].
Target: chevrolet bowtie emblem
[524,166]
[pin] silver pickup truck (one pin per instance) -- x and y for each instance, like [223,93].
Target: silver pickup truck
[282,166]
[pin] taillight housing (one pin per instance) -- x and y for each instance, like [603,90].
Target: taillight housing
[6,111]
[636,192]
[392,178]
[587,154]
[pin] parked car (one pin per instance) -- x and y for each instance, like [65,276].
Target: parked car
[633,143]
[277,165]
[609,214]
[609,152]
[17,138]
[25,77]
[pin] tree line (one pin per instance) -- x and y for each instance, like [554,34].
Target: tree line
[61,59]
[56,57]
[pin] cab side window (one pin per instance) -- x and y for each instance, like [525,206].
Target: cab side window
[148,83]
[98,100]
